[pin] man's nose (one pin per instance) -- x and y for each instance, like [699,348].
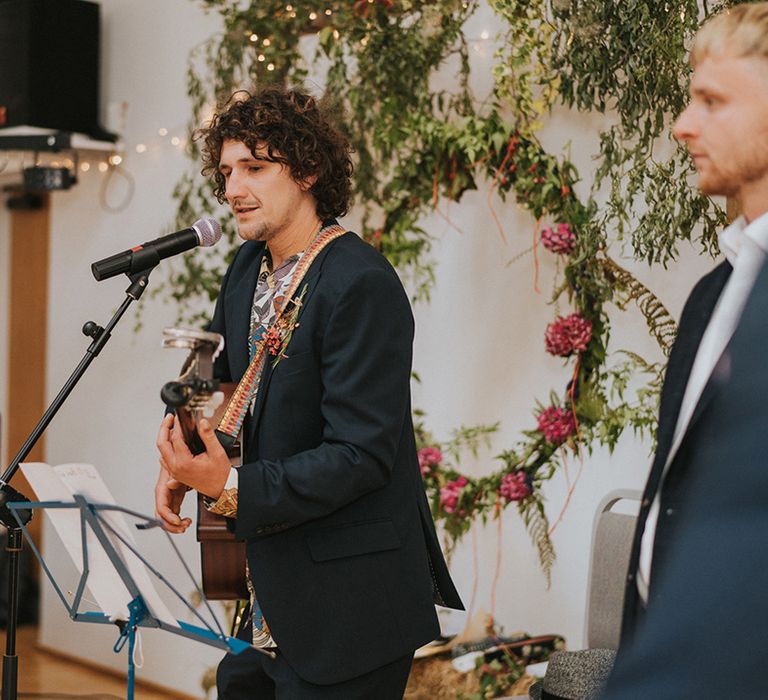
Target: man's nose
[683,128]
[234,188]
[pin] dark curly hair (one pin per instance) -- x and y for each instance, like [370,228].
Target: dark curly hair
[296,131]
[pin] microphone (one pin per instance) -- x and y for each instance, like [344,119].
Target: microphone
[205,232]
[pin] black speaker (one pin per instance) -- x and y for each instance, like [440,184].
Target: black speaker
[49,65]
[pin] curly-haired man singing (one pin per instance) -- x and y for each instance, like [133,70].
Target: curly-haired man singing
[344,564]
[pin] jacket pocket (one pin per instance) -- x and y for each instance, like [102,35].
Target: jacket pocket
[352,540]
[296,363]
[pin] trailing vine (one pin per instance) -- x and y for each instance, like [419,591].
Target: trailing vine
[418,147]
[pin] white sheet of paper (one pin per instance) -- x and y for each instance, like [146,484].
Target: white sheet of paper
[60,483]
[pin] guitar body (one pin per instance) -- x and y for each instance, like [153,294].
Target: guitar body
[222,557]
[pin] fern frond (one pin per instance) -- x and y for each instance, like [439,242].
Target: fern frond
[537,525]
[660,322]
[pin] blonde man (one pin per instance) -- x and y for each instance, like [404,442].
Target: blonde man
[696,606]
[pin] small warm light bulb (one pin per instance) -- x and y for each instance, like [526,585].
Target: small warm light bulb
[140,148]
[329,12]
[254,37]
[103,167]
[85,167]
[262,57]
[270,66]
[175,141]
[115,159]
[293,15]
[336,34]
[267,41]
[312,16]
[162,131]
[68,163]
[289,8]
[484,35]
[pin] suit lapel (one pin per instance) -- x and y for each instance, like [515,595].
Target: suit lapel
[693,323]
[692,326]
[710,389]
[311,278]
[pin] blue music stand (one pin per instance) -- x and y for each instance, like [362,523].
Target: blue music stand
[138,613]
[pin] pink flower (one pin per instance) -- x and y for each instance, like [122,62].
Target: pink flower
[450,493]
[515,486]
[560,239]
[556,424]
[428,458]
[273,340]
[568,334]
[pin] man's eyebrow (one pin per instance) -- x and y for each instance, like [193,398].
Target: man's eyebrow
[246,159]
[706,91]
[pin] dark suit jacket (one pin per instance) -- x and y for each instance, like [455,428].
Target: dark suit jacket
[341,545]
[705,629]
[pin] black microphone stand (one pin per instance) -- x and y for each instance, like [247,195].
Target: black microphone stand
[139,281]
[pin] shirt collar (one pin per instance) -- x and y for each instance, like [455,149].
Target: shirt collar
[266,261]
[731,238]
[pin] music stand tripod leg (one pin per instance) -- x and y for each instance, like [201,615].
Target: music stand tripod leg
[136,613]
[10,660]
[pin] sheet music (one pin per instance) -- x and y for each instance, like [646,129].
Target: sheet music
[60,483]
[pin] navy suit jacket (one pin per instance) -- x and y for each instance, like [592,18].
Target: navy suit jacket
[704,632]
[340,542]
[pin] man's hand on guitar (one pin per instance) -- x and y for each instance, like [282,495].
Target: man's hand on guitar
[169,495]
[206,472]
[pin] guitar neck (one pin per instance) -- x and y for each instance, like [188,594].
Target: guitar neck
[188,418]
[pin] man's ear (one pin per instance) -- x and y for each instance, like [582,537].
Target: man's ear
[307,183]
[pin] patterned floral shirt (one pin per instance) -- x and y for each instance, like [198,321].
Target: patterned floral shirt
[271,288]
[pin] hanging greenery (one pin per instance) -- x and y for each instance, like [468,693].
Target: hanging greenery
[418,146]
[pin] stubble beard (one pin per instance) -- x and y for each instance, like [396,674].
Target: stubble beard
[261,231]
[750,168]
[717,183]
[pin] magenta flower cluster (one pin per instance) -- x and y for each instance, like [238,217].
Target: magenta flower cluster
[567,335]
[556,424]
[558,238]
[514,486]
[429,457]
[450,493]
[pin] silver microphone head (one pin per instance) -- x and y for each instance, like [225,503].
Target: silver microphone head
[208,231]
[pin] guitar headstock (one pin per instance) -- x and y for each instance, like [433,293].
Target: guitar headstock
[195,390]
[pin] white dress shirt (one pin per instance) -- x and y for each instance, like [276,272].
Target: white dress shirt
[745,246]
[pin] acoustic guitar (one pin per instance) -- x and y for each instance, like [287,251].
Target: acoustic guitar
[193,395]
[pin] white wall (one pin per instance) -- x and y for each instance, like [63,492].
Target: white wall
[479,344]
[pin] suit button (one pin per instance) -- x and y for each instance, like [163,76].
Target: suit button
[630,577]
[670,511]
[646,502]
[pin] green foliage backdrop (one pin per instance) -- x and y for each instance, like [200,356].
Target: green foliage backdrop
[417,145]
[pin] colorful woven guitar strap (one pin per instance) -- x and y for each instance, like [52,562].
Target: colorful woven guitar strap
[234,415]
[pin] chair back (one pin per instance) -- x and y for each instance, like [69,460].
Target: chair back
[612,535]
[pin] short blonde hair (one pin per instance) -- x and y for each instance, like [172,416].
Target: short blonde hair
[740,31]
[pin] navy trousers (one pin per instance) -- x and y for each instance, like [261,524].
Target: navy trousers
[252,675]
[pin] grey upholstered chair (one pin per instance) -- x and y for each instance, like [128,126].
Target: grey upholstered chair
[612,534]
[579,675]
